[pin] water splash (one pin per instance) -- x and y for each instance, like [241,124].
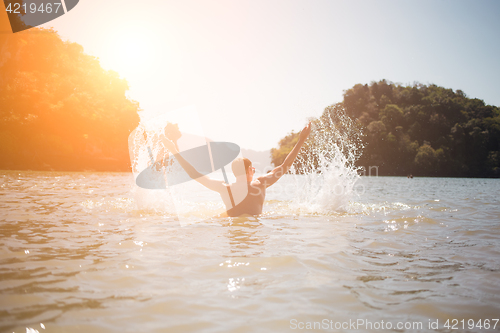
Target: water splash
[183,202]
[327,164]
[182,126]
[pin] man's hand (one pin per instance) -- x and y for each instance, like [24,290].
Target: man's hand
[172,132]
[305,132]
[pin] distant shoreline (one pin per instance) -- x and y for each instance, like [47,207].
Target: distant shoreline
[130,171]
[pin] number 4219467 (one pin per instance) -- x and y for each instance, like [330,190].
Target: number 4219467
[33,8]
[455,324]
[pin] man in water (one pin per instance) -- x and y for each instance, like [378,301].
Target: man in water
[246,195]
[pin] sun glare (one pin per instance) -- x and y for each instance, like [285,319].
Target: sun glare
[144,56]
[130,52]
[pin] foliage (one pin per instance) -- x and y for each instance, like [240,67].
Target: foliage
[285,146]
[58,108]
[423,130]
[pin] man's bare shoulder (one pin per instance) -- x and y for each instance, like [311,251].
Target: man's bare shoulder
[256,183]
[270,178]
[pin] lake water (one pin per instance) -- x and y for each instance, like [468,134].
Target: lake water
[79,252]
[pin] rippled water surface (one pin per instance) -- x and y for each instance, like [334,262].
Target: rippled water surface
[77,255]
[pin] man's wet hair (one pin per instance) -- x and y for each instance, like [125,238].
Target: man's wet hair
[236,166]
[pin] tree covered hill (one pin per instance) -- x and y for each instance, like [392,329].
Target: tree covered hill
[424,130]
[59,109]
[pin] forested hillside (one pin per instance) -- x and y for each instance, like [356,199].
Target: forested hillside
[424,130]
[59,109]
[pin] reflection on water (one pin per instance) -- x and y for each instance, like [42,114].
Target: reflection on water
[245,236]
[76,255]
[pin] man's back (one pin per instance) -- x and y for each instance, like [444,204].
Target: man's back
[248,198]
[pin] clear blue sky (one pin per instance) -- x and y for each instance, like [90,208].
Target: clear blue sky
[257,69]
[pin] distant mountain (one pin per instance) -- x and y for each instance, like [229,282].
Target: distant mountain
[261,160]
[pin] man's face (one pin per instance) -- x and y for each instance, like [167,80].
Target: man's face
[251,171]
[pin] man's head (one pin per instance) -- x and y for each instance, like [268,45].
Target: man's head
[242,166]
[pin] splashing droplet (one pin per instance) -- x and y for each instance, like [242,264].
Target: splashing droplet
[327,164]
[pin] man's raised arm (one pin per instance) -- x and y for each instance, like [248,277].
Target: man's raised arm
[275,174]
[212,184]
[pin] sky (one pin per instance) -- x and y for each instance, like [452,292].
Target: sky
[256,70]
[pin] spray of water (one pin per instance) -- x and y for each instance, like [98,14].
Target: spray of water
[145,149]
[325,169]
[183,201]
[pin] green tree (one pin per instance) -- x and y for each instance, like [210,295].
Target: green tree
[426,160]
[404,123]
[60,109]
